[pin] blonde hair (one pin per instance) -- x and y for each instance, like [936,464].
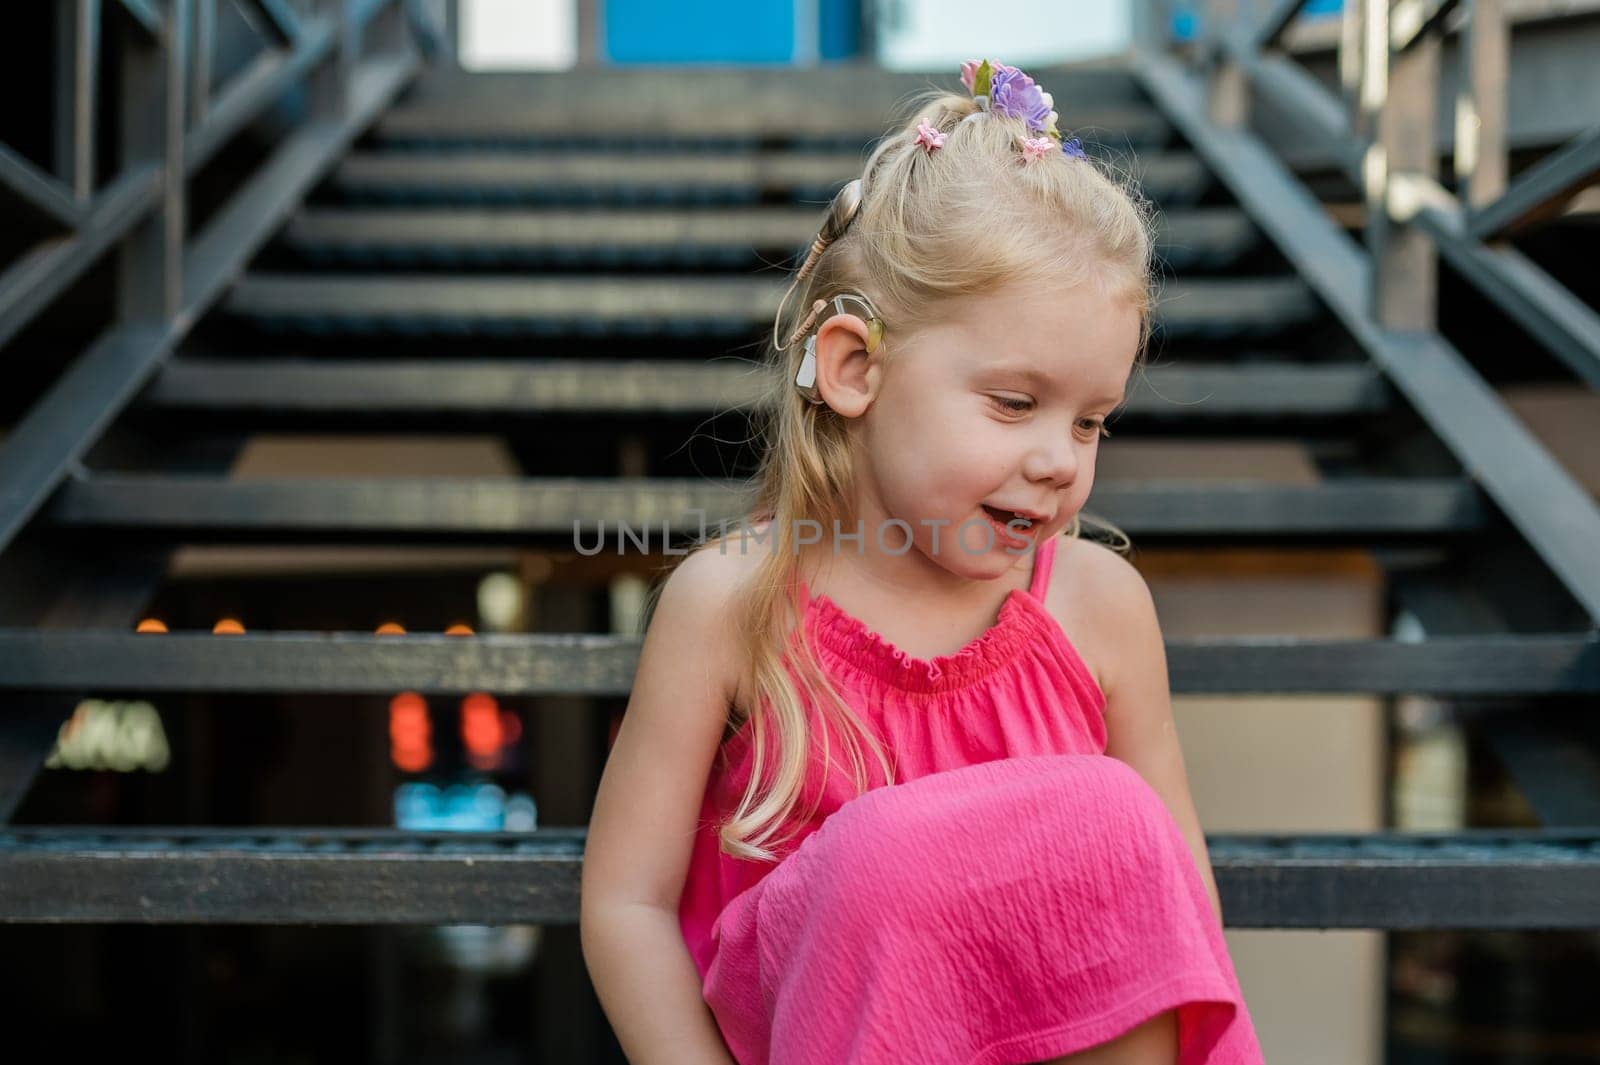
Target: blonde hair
[920,231]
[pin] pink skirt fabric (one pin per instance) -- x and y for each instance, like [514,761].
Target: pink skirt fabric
[1008,911]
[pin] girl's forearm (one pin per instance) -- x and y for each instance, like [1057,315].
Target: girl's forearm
[647,985]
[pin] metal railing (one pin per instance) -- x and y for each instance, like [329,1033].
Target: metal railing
[1379,127]
[352,56]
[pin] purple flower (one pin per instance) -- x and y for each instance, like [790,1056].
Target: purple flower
[1072,148]
[1013,93]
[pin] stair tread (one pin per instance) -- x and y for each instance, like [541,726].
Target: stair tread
[472,176]
[578,118]
[375,302]
[1212,234]
[291,662]
[516,507]
[513,386]
[1469,879]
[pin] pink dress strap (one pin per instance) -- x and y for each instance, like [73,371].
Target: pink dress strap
[1044,557]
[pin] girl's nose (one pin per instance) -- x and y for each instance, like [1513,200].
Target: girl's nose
[1054,459]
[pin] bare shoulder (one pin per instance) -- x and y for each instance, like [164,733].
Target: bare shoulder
[706,588]
[1102,602]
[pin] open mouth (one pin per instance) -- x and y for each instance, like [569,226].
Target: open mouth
[1009,521]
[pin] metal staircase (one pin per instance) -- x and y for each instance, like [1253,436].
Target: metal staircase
[495,255]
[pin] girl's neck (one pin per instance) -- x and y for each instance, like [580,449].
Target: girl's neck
[910,579]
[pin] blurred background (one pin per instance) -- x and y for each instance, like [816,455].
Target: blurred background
[341,339]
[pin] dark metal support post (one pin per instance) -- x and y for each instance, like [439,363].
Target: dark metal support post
[1480,161]
[1350,55]
[1227,88]
[77,52]
[329,85]
[205,33]
[150,285]
[1405,264]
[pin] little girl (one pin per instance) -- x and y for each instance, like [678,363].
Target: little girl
[898,781]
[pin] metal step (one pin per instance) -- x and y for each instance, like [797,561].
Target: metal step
[655,305]
[471,390]
[1483,879]
[507,177]
[361,663]
[574,119]
[728,236]
[597,511]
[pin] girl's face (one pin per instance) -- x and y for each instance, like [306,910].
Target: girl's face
[1001,406]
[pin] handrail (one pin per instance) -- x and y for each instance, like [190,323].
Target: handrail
[1457,225]
[171,123]
[210,116]
[1385,296]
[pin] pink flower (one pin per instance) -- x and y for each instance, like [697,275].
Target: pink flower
[1037,148]
[969,72]
[929,139]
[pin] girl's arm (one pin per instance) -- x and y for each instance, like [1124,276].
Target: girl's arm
[1139,726]
[644,820]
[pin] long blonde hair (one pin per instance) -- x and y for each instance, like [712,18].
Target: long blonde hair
[920,230]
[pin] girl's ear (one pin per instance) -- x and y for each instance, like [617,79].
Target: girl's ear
[848,376]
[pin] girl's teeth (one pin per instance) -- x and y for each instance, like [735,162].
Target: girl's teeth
[1005,517]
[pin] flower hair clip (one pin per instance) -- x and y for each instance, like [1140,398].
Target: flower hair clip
[1005,90]
[928,138]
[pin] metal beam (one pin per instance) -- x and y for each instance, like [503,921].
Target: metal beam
[1547,183]
[38,189]
[1209,237]
[508,121]
[1559,320]
[1283,12]
[235,233]
[1485,879]
[507,509]
[52,437]
[538,305]
[1565,664]
[255,89]
[145,14]
[274,387]
[1553,512]
[76,99]
[27,734]
[1411,20]
[1567,326]
[50,592]
[471,178]
[45,271]
[1554,758]
[281,19]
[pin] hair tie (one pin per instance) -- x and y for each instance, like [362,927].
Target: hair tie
[928,138]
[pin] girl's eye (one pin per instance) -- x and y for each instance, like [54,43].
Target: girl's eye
[1095,427]
[1015,406]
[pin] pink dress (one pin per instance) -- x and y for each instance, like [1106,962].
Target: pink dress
[1017,895]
